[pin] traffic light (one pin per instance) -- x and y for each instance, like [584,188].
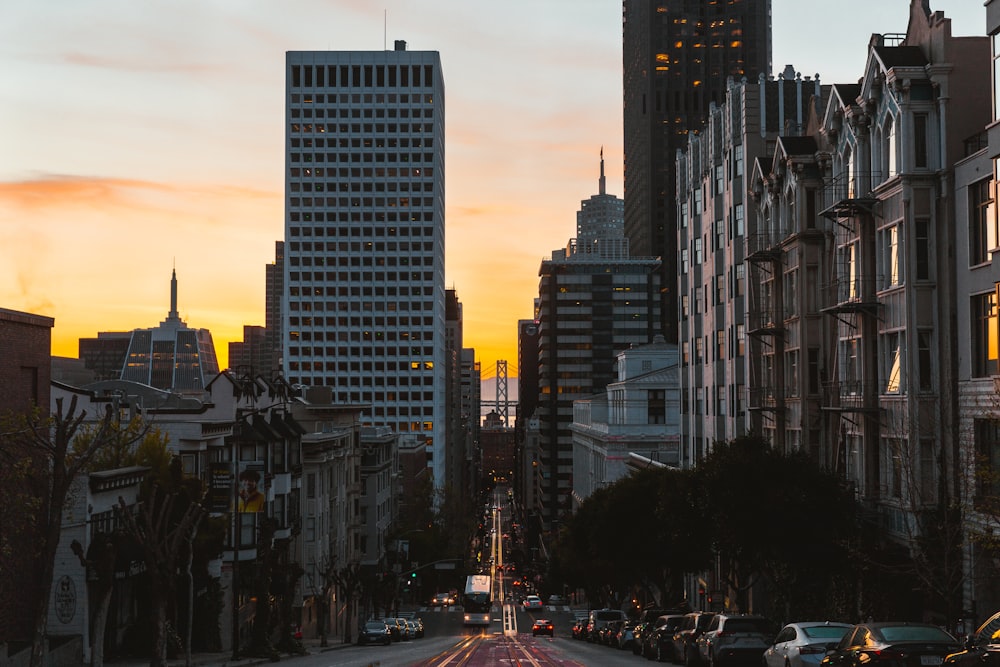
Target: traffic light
[413,575]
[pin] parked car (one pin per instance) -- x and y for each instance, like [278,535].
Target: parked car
[982,648]
[625,636]
[579,628]
[415,631]
[685,651]
[608,633]
[404,628]
[543,626]
[804,643]
[598,619]
[374,632]
[658,643]
[394,629]
[905,644]
[731,639]
[533,602]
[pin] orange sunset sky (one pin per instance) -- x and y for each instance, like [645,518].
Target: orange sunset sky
[136,137]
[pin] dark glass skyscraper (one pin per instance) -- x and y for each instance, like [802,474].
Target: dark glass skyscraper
[677,56]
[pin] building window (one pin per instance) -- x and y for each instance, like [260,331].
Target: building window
[684,260]
[924,361]
[995,39]
[987,482]
[921,226]
[740,279]
[740,339]
[697,251]
[738,216]
[920,156]
[892,359]
[720,343]
[656,407]
[982,221]
[984,334]
[792,373]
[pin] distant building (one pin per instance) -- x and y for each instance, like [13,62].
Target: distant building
[251,353]
[25,368]
[637,414]
[364,290]
[171,356]
[592,304]
[677,56]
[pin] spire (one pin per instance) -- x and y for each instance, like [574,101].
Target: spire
[601,189]
[172,315]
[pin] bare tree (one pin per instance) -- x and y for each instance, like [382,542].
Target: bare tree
[163,526]
[56,461]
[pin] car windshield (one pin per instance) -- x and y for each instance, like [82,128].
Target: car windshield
[825,632]
[375,626]
[910,633]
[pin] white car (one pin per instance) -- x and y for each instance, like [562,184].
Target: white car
[804,644]
[533,602]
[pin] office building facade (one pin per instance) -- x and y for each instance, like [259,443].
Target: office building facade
[364,298]
[677,56]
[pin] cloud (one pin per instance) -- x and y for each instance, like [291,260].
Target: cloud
[130,63]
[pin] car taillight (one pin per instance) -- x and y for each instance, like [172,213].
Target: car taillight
[812,650]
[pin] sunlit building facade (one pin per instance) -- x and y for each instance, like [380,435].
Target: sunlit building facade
[364,299]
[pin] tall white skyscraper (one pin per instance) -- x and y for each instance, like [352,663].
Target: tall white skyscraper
[364,300]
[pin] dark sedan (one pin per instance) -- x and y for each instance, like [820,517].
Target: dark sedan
[982,648]
[892,645]
[374,632]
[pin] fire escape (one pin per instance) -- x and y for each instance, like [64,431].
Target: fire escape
[851,392]
[765,329]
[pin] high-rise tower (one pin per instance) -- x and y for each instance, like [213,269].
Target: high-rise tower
[677,56]
[364,300]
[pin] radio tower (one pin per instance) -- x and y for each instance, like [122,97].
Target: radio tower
[501,394]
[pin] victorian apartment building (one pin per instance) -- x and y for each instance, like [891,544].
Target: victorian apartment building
[871,307]
[719,275]
[977,270]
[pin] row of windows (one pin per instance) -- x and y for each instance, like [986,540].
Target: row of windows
[369,260]
[348,129]
[367,99]
[736,342]
[358,142]
[343,290]
[425,174]
[348,366]
[331,276]
[379,307]
[369,158]
[363,331]
[359,113]
[355,231]
[714,402]
[367,202]
[358,246]
[408,215]
[358,76]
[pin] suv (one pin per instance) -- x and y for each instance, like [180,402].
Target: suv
[693,625]
[598,619]
[734,638]
[658,639]
[982,649]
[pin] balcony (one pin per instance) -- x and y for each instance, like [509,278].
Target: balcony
[767,399]
[849,195]
[850,396]
[764,324]
[851,295]
[763,246]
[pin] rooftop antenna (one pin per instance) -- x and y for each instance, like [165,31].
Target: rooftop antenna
[385,29]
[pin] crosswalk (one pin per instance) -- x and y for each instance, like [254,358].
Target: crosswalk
[458,609]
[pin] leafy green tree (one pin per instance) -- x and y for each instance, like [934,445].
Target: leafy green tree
[775,517]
